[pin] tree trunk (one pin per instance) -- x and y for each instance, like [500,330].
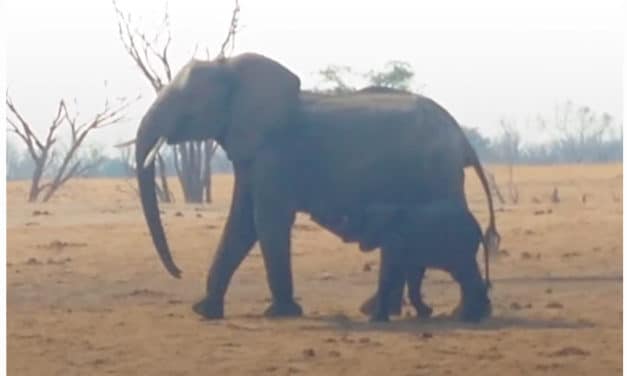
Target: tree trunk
[209,150]
[192,161]
[34,185]
[165,196]
[208,197]
[195,186]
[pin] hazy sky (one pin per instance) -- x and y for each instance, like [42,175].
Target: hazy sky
[481,59]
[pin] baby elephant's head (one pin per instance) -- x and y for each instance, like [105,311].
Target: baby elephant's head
[350,227]
[379,227]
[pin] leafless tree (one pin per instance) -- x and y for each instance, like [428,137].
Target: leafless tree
[580,130]
[45,151]
[193,166]
[150,54]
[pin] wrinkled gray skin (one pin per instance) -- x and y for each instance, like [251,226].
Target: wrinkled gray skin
[295,152]
[440,234]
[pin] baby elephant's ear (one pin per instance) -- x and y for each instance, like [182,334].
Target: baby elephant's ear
[377,222]
[380,218]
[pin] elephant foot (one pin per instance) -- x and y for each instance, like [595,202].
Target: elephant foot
[379,317]
[210,309]
[457,312]
[423,310]
[284,309]
[368,307]
[474,312]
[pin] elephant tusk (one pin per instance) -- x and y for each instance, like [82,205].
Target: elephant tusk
[125,144]
[150,157]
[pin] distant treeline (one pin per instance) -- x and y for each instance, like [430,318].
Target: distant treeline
[21,166]
[504,149]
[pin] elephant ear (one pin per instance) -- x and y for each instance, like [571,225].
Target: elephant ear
[265,95]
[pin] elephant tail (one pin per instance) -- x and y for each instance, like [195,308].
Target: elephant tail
[486,260]
[491,238]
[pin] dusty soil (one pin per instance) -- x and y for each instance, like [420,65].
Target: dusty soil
[88,296]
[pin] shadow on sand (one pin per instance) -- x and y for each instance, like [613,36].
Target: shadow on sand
[442,323]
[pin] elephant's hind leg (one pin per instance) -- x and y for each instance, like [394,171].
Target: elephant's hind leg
[475,304]
[395,298]
[414,286]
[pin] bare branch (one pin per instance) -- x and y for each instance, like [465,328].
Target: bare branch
[233,29]
[25,126]
[27,141]
[163,56]
[62,114]
[127,37]
[142,49]
[164,52]
[147,50]
[15,129]
[71,172]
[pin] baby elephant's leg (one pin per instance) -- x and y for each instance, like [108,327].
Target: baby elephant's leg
[414,279]
[396,286]
[475,301]
[391,272]
[396,300]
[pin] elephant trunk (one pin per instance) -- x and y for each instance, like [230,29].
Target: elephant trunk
[145,144]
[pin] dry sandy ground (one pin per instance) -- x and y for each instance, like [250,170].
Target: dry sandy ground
[88,296]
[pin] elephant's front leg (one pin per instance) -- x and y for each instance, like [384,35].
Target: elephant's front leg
[395,298]
[274,221]
[237,240]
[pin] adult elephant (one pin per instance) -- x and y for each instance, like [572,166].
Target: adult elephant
[292,151]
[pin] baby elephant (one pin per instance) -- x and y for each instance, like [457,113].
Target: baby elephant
[441,234]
